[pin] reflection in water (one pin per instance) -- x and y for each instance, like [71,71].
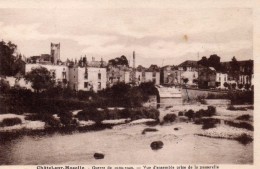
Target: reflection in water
[124,145]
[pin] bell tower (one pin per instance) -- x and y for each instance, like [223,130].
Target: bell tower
[55,53]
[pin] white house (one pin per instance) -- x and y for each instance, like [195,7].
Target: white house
[87,78]
[221,78]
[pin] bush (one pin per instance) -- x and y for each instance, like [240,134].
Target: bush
[91,113]
[209,123]
[11,121]
[232,108]
[66,119]
[244,117]
[50,120]
[169,118]
[243,125]
[34,117]
[149,130]
[211,111]
[244,139]
[190,114]
[180,113]
[45,117]
[151,113]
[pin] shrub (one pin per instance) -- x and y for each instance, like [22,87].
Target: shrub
[211,111]
[244,139]
[34,117]
[169,118]
[180,113]
[244,117]
[149,130]
[190,114]
[11,121]
[151,113]
[243,125]
[232,108]
[66,119]
[209,123]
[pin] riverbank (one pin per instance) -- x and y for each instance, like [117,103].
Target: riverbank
[226,124]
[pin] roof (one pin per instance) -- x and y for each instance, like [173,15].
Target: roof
[189,63]
[153,68]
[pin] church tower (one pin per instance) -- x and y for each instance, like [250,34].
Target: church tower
[55,53]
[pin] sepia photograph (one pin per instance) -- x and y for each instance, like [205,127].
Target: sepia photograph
[116,85]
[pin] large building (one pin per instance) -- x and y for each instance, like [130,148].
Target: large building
[87,78]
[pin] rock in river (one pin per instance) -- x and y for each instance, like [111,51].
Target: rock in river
[156,145]
[99,156]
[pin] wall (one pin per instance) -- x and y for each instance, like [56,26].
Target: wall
[194,93]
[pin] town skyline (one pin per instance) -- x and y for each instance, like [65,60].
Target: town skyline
[160,36]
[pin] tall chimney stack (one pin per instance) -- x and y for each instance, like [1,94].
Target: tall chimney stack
[134,59]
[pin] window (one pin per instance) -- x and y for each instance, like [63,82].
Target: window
[64,75]
[85,84]
[86,75]
[99,76]
[99,85]
[154,74]
[154,81]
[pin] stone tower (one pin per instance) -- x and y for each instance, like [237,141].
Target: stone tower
[55,53]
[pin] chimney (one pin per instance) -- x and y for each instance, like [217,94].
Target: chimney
[134,59]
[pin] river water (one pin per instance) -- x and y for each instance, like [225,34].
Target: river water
[125,144]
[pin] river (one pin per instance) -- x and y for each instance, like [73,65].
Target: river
[125,144]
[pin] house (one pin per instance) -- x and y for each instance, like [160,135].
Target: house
[116,74]
[167,75]
[87,78]
[221,78]
[188,65]
[191,76]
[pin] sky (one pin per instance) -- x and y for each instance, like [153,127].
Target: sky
[162,36]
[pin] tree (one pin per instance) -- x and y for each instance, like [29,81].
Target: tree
[7,58]
[214,61]
[240,86]
[234,85]
[185,80]
[119,61]
[203,61]
[40,78]
[4,86]
[234,68]
[226,85]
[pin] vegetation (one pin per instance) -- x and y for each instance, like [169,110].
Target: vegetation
[190,114]
[149,130]
[10,122]
[243,125]
[231,107]
[41,79]
[169,118]
[91,113]
[180,113]
[8,57]
[244,138]
[245,117]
